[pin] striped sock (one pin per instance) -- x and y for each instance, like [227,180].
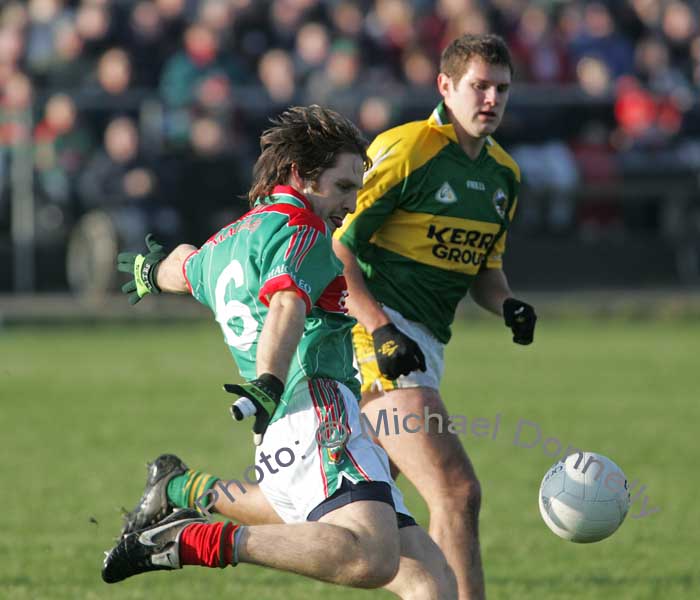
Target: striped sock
[207,544]
[184,489]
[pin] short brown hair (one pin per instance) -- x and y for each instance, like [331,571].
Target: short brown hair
[489,47]
[310,137]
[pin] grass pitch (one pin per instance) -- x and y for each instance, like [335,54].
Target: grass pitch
[84,408]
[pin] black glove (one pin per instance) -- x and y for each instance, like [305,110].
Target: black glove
[259,397]
[521,318]
[397,354]
[142,269]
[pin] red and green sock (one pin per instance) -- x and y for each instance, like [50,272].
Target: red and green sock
[183,490]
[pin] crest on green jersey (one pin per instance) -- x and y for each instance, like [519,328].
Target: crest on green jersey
[446,194]
[499,202]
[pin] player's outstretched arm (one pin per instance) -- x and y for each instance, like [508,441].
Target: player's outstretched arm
[155,271]
[170,275]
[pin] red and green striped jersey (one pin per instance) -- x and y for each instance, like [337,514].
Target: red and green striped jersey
[278,245]
[429,218]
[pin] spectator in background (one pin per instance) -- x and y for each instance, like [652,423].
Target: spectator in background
[146,43]
[419,70]
[654,68]
[390,25]
[93,22]
[62,148]
[599,38]
[594,77]
[121,182]
[648,12]
[199,59]
[450,19]
[69,67]
[212,176]
[11,49]
[472,21]
[219,16]
[15,110]
[114,72]
[375,115]
[347,19]
[45,16]
[679,25]
[107,90]
[540,55]
[644,120]
[276,73]
[310,50]
[337,86]
[284,20]
[173,20]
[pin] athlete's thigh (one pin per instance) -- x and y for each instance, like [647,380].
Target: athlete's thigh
[372,522]
[433,461]
[250,507]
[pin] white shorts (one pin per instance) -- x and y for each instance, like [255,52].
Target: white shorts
[299,473]
[372,380]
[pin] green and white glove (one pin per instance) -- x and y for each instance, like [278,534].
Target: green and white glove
[260,398]
[143,268]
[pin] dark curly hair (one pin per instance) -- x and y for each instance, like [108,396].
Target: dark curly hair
[310,137]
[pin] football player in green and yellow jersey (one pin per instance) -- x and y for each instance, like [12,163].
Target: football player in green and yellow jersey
[430,226]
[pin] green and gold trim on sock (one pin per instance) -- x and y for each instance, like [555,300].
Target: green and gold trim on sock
[184,489]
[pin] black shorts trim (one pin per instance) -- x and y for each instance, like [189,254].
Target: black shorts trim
[403,520]
[349,492]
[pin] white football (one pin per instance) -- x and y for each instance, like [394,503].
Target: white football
[584,498]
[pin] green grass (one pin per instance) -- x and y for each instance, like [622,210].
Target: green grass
[84,408]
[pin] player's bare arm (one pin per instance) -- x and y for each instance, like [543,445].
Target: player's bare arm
[280,334]
[397,354]
[490,290]
[360,302]
[155,270]
[170,277]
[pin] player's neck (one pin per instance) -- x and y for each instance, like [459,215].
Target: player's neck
[472,146]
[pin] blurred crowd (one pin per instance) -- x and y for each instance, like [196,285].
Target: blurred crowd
[151,109]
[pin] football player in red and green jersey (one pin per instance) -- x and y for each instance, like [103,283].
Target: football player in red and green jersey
[277,291]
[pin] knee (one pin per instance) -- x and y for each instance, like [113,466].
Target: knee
[377,565]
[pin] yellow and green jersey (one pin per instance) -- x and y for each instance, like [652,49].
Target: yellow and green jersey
[429,218]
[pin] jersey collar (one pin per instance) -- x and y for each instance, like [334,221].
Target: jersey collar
[288,195]
[440,121]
